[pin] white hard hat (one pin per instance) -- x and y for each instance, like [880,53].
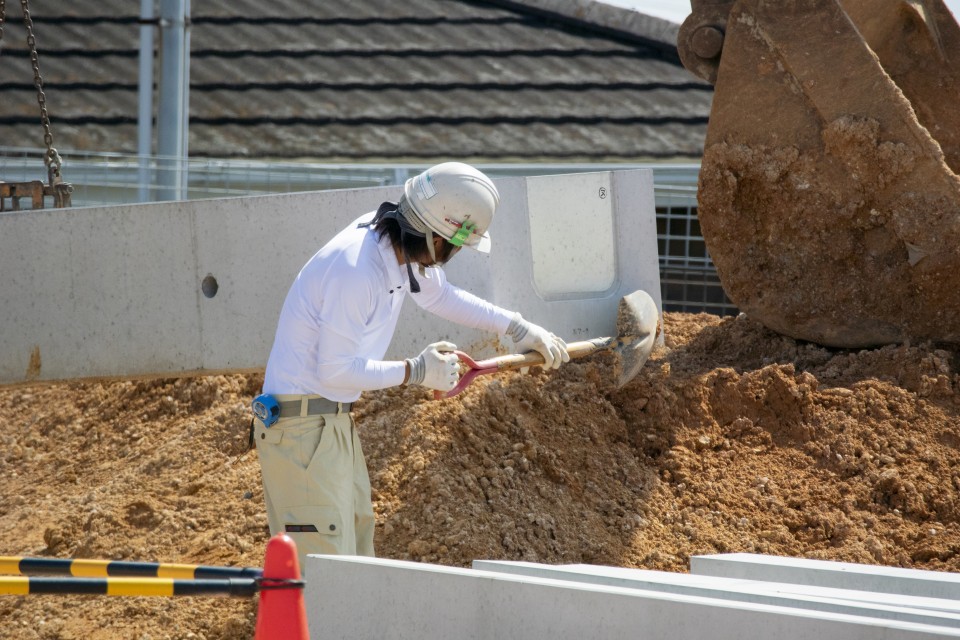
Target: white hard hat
[455,201]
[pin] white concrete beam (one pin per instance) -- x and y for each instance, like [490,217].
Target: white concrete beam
[859,603]
[840,575]
[360,597]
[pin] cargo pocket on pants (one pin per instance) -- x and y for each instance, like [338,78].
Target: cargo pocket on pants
[315,529]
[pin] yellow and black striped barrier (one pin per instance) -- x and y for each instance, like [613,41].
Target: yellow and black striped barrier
[23,566]
[114,586]
[281,614]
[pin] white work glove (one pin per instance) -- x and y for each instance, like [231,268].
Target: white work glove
[531,337]
[435,367]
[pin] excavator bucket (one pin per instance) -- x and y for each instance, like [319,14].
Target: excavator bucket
[828,196]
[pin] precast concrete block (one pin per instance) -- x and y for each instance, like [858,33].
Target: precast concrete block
[931,611]
[197,286]
[823,573]
[362,597]
[97,292]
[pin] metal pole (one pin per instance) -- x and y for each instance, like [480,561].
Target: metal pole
[171,118]
[145,92]
[185,171]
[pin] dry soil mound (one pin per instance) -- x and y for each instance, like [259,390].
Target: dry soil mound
[732,438]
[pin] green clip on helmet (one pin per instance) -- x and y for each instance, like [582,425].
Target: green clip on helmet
[455,201]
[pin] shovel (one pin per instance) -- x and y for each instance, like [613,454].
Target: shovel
[638,326]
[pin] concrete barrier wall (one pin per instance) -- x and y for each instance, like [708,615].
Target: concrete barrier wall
[168,288]
[822,573]
[378,598]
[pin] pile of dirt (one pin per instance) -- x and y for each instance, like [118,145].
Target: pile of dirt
[731,438]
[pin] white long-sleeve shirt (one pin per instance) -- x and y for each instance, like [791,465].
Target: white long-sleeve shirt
[341,312]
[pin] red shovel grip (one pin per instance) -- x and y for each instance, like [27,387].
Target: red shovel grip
[474,369]
[491,365]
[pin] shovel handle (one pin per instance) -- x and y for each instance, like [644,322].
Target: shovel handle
[517,361]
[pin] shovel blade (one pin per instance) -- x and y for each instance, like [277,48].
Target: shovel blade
[638,327]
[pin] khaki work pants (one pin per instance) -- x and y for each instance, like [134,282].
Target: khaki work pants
[315,483]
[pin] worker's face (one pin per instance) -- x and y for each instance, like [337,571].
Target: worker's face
[443,250]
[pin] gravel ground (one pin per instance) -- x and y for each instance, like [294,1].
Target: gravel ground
[732,438]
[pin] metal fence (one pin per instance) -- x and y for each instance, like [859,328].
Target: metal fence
[688,278]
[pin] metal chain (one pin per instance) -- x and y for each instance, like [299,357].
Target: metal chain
[52,158]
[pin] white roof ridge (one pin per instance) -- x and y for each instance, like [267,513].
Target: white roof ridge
[610,17]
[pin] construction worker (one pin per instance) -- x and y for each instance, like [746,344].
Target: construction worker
[334,329]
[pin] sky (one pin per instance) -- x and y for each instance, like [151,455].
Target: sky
[677,10]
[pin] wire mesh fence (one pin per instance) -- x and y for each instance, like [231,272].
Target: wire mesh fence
[688,278]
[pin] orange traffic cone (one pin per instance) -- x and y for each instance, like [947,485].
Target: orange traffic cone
[281,614]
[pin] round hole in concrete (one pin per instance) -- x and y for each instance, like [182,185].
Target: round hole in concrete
[209,286]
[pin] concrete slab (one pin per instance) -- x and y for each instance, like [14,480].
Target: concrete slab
[884,606]
[386,599]
[841,575]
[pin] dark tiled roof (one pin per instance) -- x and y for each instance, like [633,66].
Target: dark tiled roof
[367,80]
